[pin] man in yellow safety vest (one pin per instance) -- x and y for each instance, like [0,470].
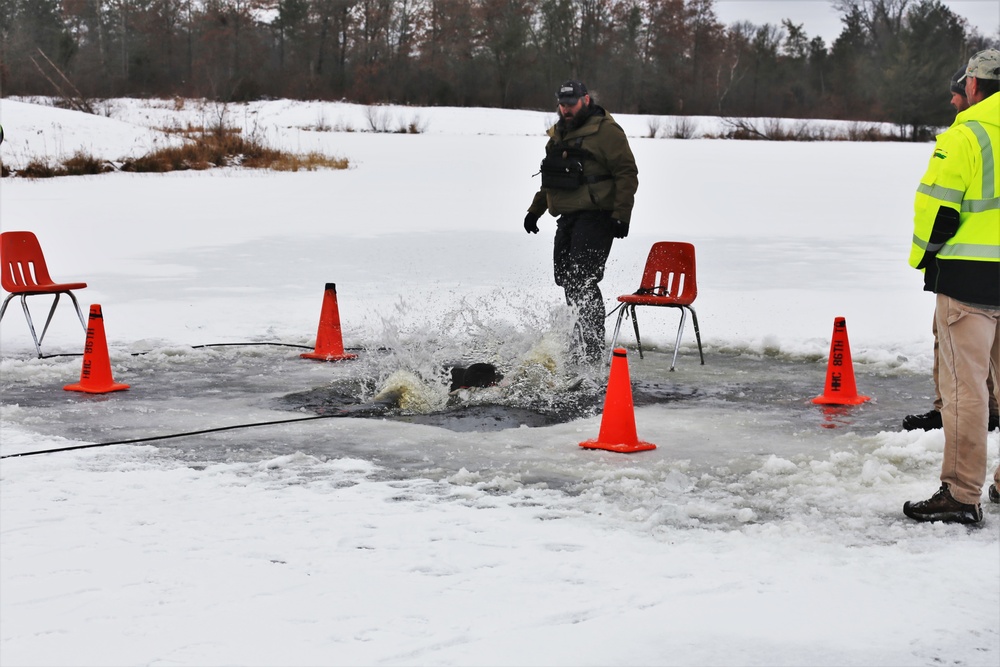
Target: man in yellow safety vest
[932,419]
[956,243]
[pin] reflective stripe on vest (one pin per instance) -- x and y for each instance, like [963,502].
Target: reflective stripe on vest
[927,247]
[989,201]
[978,250]
[950,195]
[988,166]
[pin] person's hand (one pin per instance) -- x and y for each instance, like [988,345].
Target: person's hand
[531,223]
[619,229]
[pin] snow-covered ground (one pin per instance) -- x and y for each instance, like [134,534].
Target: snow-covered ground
[762,530]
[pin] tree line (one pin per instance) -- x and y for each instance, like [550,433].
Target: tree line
[891,61]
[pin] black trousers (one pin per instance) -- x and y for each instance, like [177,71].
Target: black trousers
[582,245]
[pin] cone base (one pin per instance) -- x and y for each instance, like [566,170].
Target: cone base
[328,357]
[96,390]
[844,400]
[624,448]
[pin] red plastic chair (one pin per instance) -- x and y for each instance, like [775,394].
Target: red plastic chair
[669,281]
[25,274]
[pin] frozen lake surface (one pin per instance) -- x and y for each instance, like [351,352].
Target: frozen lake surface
[763,529]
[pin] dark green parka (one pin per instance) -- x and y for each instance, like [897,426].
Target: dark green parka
[611,155]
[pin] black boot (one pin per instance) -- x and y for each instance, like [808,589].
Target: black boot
[994,423]
[927,422]
[942,507]
[994,494]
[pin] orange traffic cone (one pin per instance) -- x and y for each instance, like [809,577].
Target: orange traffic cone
[618,421]
[840,388]
[95,377]
[329,341]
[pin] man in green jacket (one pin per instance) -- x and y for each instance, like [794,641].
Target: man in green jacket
[589,179]
[956,242]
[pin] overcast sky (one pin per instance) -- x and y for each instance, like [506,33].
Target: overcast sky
[820,18]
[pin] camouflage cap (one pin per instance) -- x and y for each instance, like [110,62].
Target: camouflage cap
[984,65]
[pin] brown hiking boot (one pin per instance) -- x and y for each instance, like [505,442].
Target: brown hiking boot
[926,422]
[994,494]
[942,507]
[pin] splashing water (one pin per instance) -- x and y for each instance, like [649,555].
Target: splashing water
[531,349]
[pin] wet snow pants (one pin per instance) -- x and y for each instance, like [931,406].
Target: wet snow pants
[582,245]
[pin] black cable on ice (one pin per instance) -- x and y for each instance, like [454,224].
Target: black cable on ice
[173,435]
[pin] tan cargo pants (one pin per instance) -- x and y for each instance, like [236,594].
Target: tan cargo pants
[969,351]
[991,392]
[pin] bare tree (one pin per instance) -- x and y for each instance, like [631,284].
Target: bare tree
[505,36]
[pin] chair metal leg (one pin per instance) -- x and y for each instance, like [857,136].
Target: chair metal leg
[52,311]
[618,326]
[697,334]
[83,322]
[3,308]
[31,325]
[48,320]
[677,343]
[635,325]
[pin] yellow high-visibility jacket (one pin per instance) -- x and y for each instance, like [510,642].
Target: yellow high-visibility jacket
[956,224]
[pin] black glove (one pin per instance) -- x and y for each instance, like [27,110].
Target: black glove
[531,223]
[946,224]
[619,229]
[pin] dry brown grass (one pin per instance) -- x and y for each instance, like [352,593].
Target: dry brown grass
[79,164]
[225,148]
[771,129]
[204,149]
[82,164]
[309,162]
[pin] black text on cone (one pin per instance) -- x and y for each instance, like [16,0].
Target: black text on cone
[840,387]
[95,376]
[618,432]
[329,340]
